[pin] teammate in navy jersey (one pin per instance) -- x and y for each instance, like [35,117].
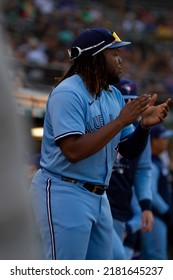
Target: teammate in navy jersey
[130,178]
[85,122]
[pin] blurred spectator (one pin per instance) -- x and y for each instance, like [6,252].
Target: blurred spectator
[36,52]
[45,6]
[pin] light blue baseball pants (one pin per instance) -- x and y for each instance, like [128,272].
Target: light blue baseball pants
[73,222]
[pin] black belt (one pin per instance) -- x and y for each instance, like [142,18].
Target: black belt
[97,189]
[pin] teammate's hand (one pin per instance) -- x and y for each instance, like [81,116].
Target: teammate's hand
[154,114]
[147,221]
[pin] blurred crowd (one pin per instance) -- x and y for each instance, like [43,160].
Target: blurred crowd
[40,32]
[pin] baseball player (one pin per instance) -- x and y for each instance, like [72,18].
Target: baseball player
[85,122]
[130,178]
[154,244]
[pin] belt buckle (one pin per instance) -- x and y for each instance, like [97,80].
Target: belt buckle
[97,188]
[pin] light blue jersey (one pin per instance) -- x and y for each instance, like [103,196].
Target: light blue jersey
[75,111]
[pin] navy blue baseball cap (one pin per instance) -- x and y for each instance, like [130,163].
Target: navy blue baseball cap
[127,88]
[94,40]
[159,131]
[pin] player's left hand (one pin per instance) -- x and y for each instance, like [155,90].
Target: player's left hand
[154,114]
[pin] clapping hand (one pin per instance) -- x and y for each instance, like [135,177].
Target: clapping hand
[154,114]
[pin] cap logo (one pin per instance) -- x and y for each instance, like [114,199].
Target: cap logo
[116,37]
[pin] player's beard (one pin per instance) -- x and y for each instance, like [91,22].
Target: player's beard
[113,79]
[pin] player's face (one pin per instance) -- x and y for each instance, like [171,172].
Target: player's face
[113,62]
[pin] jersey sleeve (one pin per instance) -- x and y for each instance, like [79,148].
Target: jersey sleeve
[142,179]
[158,202]
[67,116]
[135,223]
